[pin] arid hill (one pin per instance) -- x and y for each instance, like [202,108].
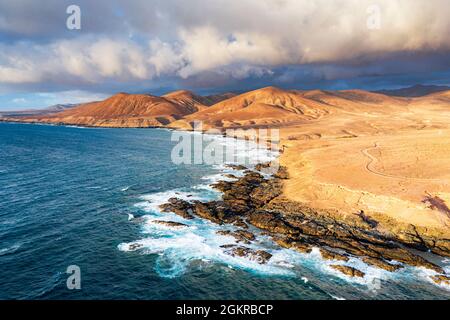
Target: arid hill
[190,99]
[356,100]
[264,107]
[38,112]
[415,91]
[276,107]
[347,152]
[129,110]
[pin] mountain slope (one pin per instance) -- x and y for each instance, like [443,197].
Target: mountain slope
[414,91]
[38,112]
[272,106]
[188,98]
[356,100]
[127,110]
[259,108]
[124,110]
[267,106]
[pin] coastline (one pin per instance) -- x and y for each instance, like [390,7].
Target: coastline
[256,201]
[297,227]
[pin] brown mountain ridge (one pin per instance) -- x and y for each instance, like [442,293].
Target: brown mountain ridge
[268,106]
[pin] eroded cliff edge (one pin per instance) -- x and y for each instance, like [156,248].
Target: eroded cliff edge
[258,201]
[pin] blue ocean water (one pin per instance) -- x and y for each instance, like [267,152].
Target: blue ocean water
[89,197]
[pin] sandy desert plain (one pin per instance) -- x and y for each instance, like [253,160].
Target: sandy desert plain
[353,150]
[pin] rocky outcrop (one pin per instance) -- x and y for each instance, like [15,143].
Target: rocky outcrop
[170,224]
[289,243]
[441,279]
[179,207]
[282,173]
[134,246]
[332,255]
[240,235]
[257,201]
[238,167]
[259,256]
[349,271]
[380,263]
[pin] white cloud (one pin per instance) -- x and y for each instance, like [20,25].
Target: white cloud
[71,96]
[164,58]
[19,100]
[241,38]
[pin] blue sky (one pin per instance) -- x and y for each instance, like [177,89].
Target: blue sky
[155,46]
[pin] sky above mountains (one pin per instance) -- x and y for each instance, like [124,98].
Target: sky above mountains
[217,45]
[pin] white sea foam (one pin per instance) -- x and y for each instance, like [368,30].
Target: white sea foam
[372,276]
[152,201]
[178,248]
[336,297]
[426,275]
[181,247]
[9,250]
[244,152]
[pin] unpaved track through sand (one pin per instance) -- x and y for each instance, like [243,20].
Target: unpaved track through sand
[370,166]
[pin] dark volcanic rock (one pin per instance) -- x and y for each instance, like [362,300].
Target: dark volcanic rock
[236,167]
[282,173]
[349,271]
[230,176]
[380,263]
[228,246]
[372,223]
[223,186]
[402,255]
[259,256]
[265,192]
[170,224]
[441,279]
[240,235]
[292,225]
[206,211]
[262,166]
[243,234]
[240,223]
[271,222]
[299,246]
[179,207]
[134,246]
[331,255]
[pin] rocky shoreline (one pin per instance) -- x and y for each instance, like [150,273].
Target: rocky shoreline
[255,200]
[258,201]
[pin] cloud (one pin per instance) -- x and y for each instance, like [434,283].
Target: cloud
[83,59]
[159,40]
[45,99]
[72,96]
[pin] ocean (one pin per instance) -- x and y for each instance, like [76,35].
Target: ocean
[89,197]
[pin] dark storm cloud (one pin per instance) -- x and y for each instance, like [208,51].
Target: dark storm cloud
[211,45]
